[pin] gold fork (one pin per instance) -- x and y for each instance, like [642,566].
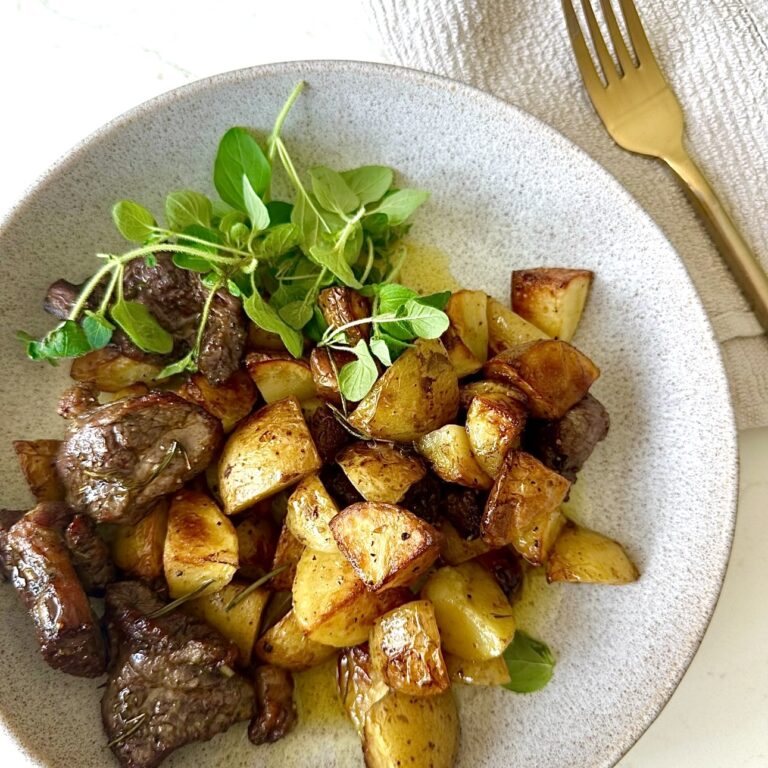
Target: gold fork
[642,114]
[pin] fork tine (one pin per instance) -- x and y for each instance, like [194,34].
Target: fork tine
[592,81]
[604,56]
[637,34]
[616,37]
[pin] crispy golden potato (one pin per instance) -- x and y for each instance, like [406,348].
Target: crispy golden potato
[468,392]
[268,451]
[310,509]
[379,471]
[230,402]
[37,459]
[325,365]
[553,375]
[588,557]
[418,393]
[285,645]
[288,552]
[523,508]
[403,730]
[109,371]
[507,329]
[332,605]
[138,549]
[260,339]
[494,425]
[552,298]
[134,390]
[405,649]
[340,306]
[200,546]
[473,614]
[466,339]
[359,685]
[240,624]
[489,672]
[449,453]
[256,545]
[387,546]
[277,378]
[455,549]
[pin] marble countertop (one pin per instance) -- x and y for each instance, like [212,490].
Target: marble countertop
[70,65]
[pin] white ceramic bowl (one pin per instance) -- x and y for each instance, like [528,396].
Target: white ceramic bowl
[507,191]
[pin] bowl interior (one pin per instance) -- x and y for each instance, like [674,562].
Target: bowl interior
[506,192]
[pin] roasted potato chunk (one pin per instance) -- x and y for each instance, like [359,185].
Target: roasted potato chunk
[470,391]
[552,298]
[379,471]
[288,552]
[264,341]
[256,544]
[268,451]
[507,329]
[552,374]
[402,730]
[455,549]
[325,365]
[109,371]
[450,455]
[387,546]
[332,605]
[360,686]
[587,557]
[418,393]
[138,549]
[230,402]
[285,645]
[489,672]
[473,614]
[494,425]
[310,510]
[200,547]
[277,378]
[466,339]
[523,507]
[340,306]
[240,623]
[405,649]
[37,459]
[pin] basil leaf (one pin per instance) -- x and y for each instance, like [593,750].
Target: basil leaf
[187,207]
[331,191]
[296,313]
[530,663]
[369,182]
[257,211]
[142,328]
[187,363]
[279,212]
[401,204]
[381,350]
[66,340]
[133,221]
[330,255]
[357,378]
[240,154]
[278,241]
[266,317]
[392,296]
[427,322]
[98,330]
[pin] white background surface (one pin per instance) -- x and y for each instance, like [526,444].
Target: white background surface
[70,65]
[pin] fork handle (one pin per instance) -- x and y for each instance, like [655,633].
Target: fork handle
[738,256]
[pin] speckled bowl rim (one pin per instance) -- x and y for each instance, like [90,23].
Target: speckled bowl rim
[482,98]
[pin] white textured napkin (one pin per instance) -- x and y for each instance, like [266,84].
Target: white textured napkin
[715,55]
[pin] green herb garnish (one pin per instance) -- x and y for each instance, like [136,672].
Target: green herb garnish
[530,663]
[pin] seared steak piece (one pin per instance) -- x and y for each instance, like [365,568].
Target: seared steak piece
[565,444]
[339,487]
[464,508]
[171,680]
[77,400]
[425,498]
[90,555]
[275,712]
[8,517]
[62,296]
[122,456]
[42,572]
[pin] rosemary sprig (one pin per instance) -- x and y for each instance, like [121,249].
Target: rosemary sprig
[179,601]
[135,723]
[240,596]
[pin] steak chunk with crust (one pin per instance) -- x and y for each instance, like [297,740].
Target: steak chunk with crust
[90,555]
[122,456]
[42,573]
[171,680]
